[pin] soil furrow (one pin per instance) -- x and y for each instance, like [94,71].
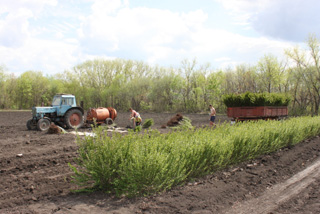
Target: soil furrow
[279,193]
[39,181]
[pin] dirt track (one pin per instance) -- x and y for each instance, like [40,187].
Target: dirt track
[39,181]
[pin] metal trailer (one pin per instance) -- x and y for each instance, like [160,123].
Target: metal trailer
[257,113]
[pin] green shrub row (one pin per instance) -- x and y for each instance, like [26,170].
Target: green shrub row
[141,164]
[256,99]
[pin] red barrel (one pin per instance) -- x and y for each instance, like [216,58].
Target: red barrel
[100,114]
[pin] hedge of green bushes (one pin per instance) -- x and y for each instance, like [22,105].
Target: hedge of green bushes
[141,164]
[256,99]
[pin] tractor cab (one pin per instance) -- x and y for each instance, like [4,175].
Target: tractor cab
[63,102]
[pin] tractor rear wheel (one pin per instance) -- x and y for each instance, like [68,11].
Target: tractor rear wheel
[74,119]
[31,125]
[43,124]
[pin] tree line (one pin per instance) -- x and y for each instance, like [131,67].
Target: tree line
[189,88]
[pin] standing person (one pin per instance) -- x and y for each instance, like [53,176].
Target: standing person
[135,116]
[212,115]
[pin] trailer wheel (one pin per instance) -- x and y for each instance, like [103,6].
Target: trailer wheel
[74,119]
[109,121]
[43,124]
[31,125]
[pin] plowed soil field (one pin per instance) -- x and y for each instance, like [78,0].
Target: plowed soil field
[35,177]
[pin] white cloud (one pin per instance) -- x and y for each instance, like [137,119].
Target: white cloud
[111,28]
[140,33]
[286,19]
[165,37]
[140,28]
[104,7]
[240,6]
[14,27]
[34,6]
[40,55]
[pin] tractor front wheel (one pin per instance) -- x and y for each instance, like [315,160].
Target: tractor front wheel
[43,124]
[31,125]
[74,119]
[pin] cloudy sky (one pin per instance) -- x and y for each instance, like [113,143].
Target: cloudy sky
[54,35]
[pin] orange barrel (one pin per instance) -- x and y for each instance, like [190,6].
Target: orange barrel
[100,114]
[113,113]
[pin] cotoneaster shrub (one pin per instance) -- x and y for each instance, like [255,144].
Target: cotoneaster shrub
[256,99]
[142,164]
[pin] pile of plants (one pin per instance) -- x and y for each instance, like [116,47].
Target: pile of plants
[148,123]
[142,164]
[175,120]
[184,124]
[256,99]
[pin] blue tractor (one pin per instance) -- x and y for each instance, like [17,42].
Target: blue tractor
[63,111]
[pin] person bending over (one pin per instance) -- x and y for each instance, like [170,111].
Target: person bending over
[135,116]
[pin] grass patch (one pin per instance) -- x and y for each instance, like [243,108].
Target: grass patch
[141,164]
